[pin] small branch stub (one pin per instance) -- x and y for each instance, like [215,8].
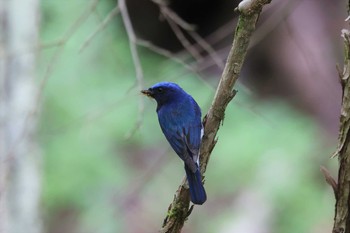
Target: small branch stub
[330,180]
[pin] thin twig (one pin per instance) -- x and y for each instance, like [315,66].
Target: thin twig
[136,60]
[207,47]
[330,180]
[273,20]
[87,118]
[183,40]
[175,18]
[60,43]
[100,27]
[175,22]
[163,52]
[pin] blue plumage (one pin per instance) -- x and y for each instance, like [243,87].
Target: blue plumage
[180,120]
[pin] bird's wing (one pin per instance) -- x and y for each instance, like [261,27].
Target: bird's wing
[182,142]
[189,147]
[183,132]
[193,133]
[193,138]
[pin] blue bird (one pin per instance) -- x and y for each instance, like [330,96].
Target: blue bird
[180,120]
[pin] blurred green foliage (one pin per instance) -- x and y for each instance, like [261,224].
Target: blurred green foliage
[110,181]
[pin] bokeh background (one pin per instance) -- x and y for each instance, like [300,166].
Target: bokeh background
[108,168]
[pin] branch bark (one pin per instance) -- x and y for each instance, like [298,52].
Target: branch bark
[249,10]
[19,153]
[342,218]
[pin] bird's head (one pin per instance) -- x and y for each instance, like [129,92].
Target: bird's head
[164,92]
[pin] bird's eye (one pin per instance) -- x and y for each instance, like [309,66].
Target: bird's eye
[160,90]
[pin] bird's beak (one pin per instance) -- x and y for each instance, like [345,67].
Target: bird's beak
[148,93]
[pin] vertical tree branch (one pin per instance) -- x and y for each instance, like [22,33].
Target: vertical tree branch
[19,159]
[342,217]
[249,12]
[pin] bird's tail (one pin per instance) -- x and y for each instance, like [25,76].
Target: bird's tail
[198,195]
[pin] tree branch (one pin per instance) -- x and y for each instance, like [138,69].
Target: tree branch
[179,210]
[342,195]
[136,60]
